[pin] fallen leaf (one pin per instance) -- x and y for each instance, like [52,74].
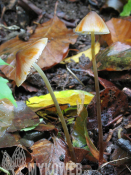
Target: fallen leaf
[45,152]
[105,83]
[78,133]
[113,103]
[56,50]
[83,154]
[50,108]
[45,127]
[29,87]
[32,127]
[63,97]
[114,58]
[23,117]
[119,31]
[14,119]
[6,115]
[87,53]
[9,140]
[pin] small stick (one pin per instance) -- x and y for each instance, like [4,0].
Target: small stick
[75,76]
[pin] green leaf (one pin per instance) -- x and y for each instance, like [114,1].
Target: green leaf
[5,91]
[70,121]
[4,63]
[78,133]
[4,170]
[32,127]
[127,9]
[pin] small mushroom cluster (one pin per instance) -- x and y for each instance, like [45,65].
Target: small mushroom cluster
[25,59]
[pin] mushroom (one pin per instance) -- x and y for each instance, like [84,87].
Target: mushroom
[27,58]
[94,25]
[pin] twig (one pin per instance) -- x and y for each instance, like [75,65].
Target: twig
[113,161]
[29,7]
[128,168]
[114,120]
[13,27]
[75,76]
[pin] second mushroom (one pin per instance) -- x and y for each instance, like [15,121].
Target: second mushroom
[94,25]
[27,58]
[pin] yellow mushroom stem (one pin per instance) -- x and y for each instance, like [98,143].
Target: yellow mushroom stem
[98,102]
[42,74]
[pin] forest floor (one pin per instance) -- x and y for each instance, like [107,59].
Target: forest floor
[71,12]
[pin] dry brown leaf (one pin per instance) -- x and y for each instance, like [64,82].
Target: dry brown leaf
[56,50]
[46,152]
[113,103]
[119,31]
[12,120]
[45,127]
[29,88]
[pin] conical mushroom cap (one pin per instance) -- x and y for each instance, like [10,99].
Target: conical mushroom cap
[25,59]
[92,23]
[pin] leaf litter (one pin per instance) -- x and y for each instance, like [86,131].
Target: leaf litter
[114,101]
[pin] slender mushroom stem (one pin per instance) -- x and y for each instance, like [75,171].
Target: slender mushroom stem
[42,74]
[98,102]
